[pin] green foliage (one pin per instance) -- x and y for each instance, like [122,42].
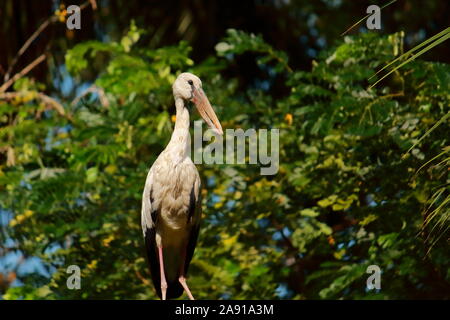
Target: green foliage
[408,56]
[345,196]
[130,70]
[238,42]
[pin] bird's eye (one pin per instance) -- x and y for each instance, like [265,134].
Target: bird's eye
[190,82]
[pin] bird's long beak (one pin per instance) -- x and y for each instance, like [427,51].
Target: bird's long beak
[205,110]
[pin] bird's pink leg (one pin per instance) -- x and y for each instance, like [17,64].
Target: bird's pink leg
[163,276]
[182,279]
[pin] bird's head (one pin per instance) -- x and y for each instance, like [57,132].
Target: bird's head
[189,87]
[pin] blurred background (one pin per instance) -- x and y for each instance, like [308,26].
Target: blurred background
[363,176]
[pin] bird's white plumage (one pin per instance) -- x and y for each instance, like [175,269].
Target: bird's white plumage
[169,184]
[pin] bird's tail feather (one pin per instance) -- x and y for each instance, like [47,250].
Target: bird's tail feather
[174,289]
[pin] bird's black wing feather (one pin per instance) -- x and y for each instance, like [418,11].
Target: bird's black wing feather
[195,213]
[151,248]
[152,258]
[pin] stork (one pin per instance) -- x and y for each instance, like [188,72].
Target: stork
[171,204]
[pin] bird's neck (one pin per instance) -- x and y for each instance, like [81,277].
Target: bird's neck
[179,145]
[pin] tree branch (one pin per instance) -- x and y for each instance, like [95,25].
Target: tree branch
[24,71]
[49,101]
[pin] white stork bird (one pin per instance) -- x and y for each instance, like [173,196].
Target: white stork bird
[171,205]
